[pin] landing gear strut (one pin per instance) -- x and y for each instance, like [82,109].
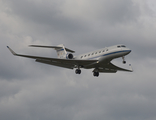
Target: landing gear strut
[124,62]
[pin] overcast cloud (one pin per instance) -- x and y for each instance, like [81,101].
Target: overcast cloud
[34,91]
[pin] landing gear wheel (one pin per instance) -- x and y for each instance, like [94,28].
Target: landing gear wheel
[124,62]
[96,74]
[78,71]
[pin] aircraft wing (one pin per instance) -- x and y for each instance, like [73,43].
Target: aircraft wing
[66,63]
[112,67]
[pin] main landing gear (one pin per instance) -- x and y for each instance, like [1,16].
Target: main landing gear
[78,71]
[95,74]
[123,58]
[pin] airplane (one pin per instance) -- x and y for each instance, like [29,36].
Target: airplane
[99,60]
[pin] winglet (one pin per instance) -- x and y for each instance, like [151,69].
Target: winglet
[131,69]
[11,50]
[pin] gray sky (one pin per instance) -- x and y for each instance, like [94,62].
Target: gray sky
[33,91]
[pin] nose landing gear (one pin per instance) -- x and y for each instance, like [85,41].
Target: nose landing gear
[123,58]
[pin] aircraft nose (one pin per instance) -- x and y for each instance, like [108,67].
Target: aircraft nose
[128,51]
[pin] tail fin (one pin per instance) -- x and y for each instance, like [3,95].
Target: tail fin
[61,51]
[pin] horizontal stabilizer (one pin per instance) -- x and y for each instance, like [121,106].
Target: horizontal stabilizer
[55,47]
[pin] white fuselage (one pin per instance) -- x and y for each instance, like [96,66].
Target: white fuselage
[107,53]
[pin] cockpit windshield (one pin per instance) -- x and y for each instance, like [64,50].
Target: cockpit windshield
[121,46]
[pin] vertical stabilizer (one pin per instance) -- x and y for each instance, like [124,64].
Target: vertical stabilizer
[61,51]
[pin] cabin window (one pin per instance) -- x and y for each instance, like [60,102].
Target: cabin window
[99,51]
[96,53]
[118,46]
[85,56]
[81,56]
[92,53]
[103,51]
[88,54]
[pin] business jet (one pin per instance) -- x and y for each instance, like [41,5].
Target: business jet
[98,60]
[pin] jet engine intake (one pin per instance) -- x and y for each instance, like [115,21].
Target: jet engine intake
[70,56]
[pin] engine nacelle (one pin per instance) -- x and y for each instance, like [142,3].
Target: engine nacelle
[70,56]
